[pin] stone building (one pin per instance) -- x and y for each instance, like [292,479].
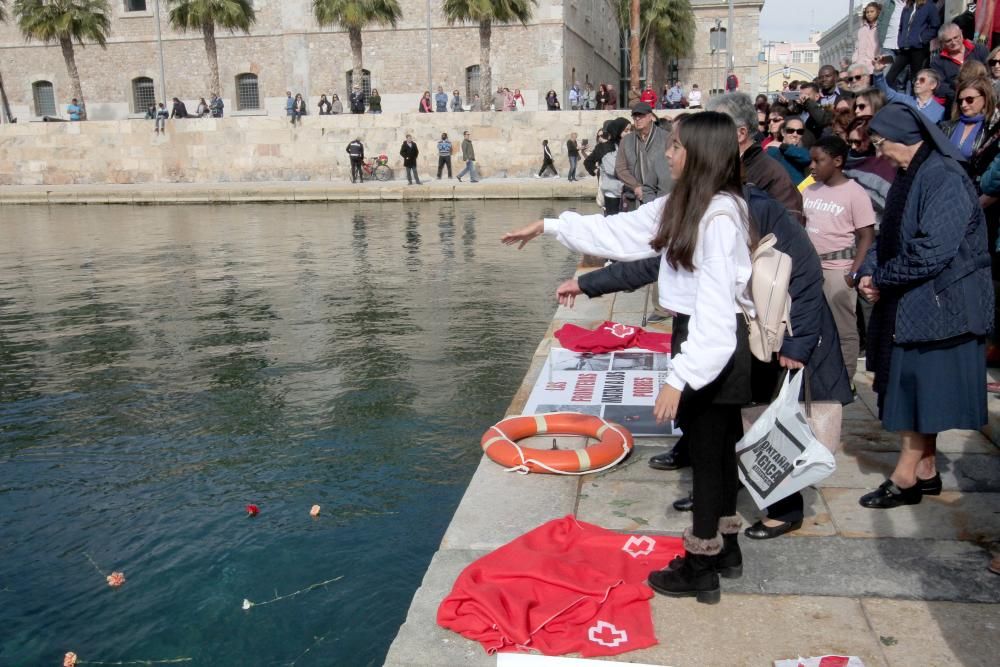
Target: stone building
[708,70]
[566,40]
[785,62]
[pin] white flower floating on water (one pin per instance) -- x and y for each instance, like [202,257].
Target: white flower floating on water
[314,511]
[247,603]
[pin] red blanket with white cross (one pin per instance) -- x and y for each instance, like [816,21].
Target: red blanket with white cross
[565,587]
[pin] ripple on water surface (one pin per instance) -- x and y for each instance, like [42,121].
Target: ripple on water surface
[162,367]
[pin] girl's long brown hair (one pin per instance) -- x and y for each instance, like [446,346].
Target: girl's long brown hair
[712,166]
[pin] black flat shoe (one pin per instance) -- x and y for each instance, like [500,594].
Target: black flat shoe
[888,495]
[759,531]
[685,504]
[930,487]
[671,460]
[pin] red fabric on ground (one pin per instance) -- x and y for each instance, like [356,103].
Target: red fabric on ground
[565,587]
[611,337]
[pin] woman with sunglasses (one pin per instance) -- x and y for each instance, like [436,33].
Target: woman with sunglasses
[793,152]
[993,63]
[924,85]
[872,172]
[973,116]
[775,121]
[867,102]
[929,280]
[702,233]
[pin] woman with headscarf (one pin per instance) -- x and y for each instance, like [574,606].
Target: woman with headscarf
[929,278]
[601,163]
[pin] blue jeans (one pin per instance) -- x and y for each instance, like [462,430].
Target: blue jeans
[572,167]
[470,169]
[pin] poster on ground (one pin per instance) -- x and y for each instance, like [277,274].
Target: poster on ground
[621,387]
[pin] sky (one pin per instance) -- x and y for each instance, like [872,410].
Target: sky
[793,20]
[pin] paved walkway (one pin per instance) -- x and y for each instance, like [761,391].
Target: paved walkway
[904,587]
[298,191]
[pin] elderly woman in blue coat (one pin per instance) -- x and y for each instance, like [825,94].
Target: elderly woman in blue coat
[929,277]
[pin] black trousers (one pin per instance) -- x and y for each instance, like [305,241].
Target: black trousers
[444,161]
[411,175]
[356,172]
[915,59]
[547,164]
[711,420]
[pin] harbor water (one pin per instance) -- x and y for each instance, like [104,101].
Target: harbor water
[163,367]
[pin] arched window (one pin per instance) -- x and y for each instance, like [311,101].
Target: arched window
[472,82]
[247,92]
[365,83]
[44,97]
[143,94]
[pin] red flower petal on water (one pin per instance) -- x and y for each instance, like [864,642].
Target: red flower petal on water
[252,510]
[116,579]
[69,660]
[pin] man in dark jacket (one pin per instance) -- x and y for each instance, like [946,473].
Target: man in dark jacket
[178,110]
[647,178]
[356,150]
[955,52]
[811,341]
[409,152]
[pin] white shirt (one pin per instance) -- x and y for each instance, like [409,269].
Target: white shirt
[694,98]
[712,294]
[892,33]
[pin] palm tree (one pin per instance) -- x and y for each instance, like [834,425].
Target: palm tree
[356,15]
[3,91]
[486,13]
[205,15]
[669,22]
[64,21]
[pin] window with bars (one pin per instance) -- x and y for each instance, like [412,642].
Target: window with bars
[472,82]
[808,57]
[247,92]
[796,56]
[143,94]
[365,83]
[44,97]
[135,5]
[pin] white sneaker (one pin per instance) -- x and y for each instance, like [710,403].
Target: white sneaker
[537,176]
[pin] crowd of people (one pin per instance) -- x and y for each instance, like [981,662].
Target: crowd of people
[884,188]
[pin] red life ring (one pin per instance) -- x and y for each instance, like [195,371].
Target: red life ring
[500,443]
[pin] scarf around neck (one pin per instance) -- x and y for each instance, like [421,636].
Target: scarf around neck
[967,145]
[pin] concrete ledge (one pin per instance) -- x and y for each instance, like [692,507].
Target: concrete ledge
[298,191]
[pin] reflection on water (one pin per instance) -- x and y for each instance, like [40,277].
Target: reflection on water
[160,368]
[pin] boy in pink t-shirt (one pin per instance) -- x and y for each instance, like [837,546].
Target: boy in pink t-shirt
[841,224]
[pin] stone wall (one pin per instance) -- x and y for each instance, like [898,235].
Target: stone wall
[708,71]
[245,149]
[288,50]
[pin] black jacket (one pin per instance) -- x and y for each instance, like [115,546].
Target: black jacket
[814,339]
[179,110]
[409,154]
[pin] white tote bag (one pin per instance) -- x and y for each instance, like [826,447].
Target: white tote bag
[779,454]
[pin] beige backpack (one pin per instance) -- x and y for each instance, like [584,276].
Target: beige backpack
[772,271]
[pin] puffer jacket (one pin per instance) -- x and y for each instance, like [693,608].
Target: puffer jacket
[942,271]
[813,339]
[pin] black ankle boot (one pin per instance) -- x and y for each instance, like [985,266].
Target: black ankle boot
[730,559]
[696,574]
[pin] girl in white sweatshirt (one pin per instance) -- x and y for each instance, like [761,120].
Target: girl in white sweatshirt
[702,232]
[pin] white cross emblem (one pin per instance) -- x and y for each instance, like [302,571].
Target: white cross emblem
[617,636]
[639,546]
[620,330]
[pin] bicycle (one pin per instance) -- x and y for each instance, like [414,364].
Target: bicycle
[377,166]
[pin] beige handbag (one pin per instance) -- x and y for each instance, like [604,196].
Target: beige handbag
[824,418]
